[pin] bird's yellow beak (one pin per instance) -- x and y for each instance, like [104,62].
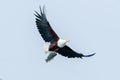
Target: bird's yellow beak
[67,41]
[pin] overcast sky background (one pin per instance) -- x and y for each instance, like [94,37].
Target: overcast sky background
[90,25]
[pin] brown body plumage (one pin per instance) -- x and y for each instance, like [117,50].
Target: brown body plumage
[57,45]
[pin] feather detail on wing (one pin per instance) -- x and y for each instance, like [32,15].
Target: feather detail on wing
[68,52]
[44,27]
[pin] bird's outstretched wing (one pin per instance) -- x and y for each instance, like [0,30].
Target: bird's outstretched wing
[68,52]
[44,27]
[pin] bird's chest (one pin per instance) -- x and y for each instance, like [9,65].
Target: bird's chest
[53,47]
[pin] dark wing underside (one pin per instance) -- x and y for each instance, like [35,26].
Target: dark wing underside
[68,52]
[44,27]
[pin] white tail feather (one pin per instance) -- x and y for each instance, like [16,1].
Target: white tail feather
[46,47]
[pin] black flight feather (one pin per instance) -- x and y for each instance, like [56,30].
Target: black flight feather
[68,52]
[49,35]
[44,27]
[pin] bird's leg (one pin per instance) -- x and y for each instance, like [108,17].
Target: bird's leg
[56,50]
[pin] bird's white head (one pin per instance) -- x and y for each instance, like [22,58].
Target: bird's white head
[61,42]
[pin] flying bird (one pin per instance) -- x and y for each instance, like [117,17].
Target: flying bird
[55,45]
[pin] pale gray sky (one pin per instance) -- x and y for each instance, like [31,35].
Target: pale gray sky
[90,25]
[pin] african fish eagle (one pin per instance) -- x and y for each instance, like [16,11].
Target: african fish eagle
[56,44]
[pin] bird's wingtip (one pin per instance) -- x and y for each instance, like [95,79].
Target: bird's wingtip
[89,55]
